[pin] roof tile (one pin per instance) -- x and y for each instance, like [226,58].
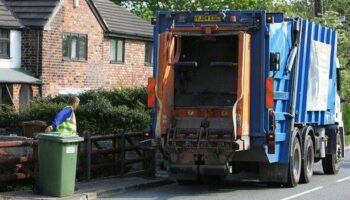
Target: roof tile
[6,17]
[32,13]
[120,20]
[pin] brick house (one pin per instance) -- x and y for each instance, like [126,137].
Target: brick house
[70,46]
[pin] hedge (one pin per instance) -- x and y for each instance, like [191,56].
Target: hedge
[100,111]
[346,117]
[8,117]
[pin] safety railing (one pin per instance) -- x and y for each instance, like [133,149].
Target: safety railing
[115,151]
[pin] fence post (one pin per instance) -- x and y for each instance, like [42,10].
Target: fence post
[121,157]
[153,163]
[115,153]
[150,168]
[88,154]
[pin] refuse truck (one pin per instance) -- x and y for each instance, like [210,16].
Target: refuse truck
[245,91]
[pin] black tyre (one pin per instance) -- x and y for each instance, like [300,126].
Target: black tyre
[294,164]
[331,163]
[308,160]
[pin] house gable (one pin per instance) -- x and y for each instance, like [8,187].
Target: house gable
[120,22]
[33,14]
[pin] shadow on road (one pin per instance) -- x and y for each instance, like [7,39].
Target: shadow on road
[199,190]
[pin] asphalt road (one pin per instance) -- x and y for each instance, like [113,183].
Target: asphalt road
[321,187]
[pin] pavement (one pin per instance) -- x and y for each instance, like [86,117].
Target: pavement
[321,187]
[94,189]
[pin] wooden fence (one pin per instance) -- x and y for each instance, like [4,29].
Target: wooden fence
[99,155]
[116,156]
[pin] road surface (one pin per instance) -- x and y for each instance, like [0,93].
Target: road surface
[321,187]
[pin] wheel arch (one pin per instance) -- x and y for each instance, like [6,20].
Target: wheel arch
[305,131]
[295,134]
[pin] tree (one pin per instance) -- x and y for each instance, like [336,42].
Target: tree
[148,8]
[336,16]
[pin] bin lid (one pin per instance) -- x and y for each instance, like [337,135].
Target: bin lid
[60,137]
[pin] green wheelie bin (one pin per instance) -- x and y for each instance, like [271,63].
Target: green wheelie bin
[57,163]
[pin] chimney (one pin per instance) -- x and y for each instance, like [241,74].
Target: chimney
[75,3]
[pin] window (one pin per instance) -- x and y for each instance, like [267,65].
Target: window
[117,50]
[4,43]
[74,46]
[148,53]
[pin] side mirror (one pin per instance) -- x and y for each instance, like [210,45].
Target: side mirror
[274,61]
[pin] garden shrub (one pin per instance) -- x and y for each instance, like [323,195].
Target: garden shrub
[346,117]
[8,117]
[100,111]
[41,109]
[100,116]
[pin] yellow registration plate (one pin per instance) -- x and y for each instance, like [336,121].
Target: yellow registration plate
[206,18]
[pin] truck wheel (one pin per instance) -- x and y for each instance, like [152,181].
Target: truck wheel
[331,163]
[294,164]
[308,160]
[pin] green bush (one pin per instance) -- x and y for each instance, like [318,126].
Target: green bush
[100,116]
[8,117]
[100,111]
[41,109]
[130,97]
[346,117]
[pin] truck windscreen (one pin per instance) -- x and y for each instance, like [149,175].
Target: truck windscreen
[206,74]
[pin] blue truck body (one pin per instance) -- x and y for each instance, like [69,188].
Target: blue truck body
[297,42]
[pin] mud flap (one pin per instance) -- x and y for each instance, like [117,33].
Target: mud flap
[273,173]
[342,136]
[331,133]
